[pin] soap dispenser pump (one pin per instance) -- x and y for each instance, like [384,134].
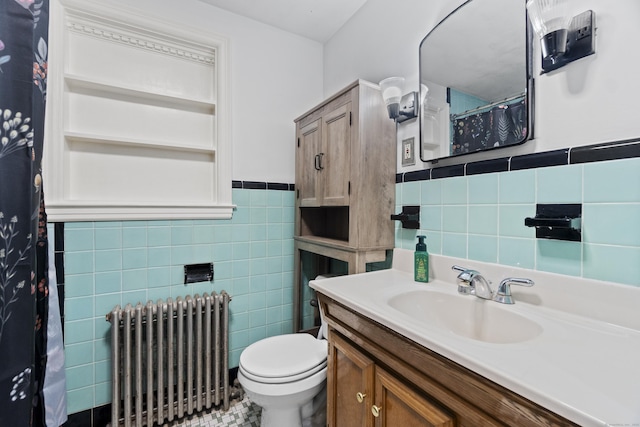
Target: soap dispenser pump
[421,261]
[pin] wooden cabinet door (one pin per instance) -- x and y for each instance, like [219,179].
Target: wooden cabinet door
[396,404]
[307,163]
[350,387]
[336,156]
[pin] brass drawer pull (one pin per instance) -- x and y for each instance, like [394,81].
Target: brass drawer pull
[375,410]
[360,397]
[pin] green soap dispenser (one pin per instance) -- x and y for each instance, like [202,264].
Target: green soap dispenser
[421,261]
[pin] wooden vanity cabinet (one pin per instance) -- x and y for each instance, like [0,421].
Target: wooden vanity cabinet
[370,365]
[365,394]
[345,182]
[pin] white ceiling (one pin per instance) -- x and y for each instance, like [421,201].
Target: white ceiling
[314,19]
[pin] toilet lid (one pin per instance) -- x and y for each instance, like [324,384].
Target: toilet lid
[284,356]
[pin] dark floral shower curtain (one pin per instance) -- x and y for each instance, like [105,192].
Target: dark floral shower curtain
[23,240]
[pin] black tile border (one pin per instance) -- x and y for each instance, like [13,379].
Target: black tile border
[94,417]
[80,419]
[601,152]
[261,185]
[254,185]
[58,260]
[615,150]
[277,186]
[488,166]
[421,175]
[448,171]
[540,160]
[58,229]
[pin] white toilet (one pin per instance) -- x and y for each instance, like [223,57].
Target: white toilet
[286,375]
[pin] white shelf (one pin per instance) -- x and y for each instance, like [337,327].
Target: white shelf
[139,123]
[80,84]
[69,211]
[133,142]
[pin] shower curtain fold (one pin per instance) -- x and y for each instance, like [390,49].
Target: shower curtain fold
[24,291]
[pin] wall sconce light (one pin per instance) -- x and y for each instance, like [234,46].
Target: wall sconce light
[399,107]
[563,38]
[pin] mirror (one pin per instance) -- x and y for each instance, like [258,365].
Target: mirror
[474,80]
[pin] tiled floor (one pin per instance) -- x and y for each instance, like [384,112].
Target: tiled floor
[241,413]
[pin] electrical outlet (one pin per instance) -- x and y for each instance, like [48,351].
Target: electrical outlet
[408,152]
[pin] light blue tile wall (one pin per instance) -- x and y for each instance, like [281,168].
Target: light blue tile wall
[461,102]
[110,263]
[481,217]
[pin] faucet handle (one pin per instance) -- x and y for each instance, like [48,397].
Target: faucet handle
[458,268]
[465,280]
[503,293]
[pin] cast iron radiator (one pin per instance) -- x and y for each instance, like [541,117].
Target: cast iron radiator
[169,359]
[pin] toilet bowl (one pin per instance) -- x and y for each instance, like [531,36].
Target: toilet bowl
[283,374]
[286,375]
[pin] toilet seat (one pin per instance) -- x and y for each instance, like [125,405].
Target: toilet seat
[284,358]
[284,389]
[283,380]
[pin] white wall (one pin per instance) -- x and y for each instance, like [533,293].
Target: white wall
[589,101]
[275,76]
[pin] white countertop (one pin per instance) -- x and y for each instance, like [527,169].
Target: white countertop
[584,365]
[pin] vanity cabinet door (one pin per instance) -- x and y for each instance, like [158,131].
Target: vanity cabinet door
[350,386]
[397,404]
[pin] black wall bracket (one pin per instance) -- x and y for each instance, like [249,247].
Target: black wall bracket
[557,221]
[410,217]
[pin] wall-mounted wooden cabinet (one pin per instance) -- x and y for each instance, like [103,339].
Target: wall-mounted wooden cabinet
[324,155]
[345,181]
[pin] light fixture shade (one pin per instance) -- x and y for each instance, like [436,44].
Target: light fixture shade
[550,20]
[391,89]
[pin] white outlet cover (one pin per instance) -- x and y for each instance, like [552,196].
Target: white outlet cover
[408,152]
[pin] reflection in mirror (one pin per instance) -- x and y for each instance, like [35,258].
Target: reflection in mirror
[474,80]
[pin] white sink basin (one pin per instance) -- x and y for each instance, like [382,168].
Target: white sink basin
[467,316]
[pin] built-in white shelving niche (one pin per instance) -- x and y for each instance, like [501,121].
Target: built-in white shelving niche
[137,119]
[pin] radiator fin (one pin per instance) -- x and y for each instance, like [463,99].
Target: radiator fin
[169,359]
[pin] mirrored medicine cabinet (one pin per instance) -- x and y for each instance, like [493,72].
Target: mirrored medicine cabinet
[475,79]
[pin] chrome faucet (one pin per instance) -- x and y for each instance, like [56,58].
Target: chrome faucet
[471,282]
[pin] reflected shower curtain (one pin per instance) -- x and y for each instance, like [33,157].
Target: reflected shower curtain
[23,233]
[504,124]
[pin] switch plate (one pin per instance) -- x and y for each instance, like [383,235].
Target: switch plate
[408,152]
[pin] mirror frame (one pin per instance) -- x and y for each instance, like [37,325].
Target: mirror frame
[529,90]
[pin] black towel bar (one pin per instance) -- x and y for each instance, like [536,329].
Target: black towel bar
[557,221]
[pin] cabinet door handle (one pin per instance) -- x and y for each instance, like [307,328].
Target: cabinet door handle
[318,161]
[360,397]
[375,410]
